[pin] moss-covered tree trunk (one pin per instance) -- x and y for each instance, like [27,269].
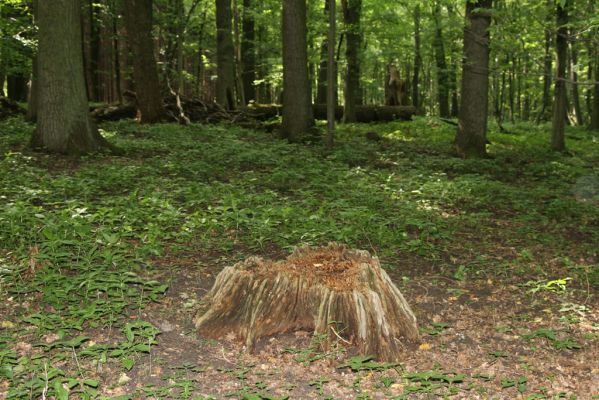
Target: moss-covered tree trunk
[63,121]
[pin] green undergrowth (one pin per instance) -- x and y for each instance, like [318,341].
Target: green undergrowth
[79,239]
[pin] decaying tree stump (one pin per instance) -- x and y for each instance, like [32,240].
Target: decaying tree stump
[342,294]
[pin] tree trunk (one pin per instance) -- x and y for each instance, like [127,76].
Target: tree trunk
[16,85]
[595,103]
[352,10]
[574,77]
[138,21]
[417,59]
[560,110]
[63,123]
[442,72]
[331,74]
[89,47]
[225,56]
[248,52]
[471,138]
[343,295]
[106,67]
[297,104]
[321,90]
[547,67]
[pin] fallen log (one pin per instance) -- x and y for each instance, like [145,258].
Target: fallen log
[343,295]
[369,113]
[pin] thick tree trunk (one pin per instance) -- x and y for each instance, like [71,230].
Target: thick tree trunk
[138,20]
[341,294]
[225,56]
[471,138]
[248,52]
[297,103]
[417,59]
[63,123]
[442,71]
[560,109]
[352,10]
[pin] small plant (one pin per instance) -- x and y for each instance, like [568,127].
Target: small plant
[361,363]
[435,329]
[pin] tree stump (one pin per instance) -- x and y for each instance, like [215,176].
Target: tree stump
[336,292]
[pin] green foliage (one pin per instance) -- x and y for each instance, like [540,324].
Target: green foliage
[83,237]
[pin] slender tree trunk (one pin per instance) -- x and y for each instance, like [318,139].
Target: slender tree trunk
[442,71]
[332,75]
[574,77]
[298,116]
[63,123]
[417,59]
[471,138]
[595,103]
[225,55]
[321,89]
[547,67]
[87,21]
[138,20]
[33,84]
[352,10]
[248,52]
[558,142]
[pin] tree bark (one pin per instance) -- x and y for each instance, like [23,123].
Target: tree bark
[595,103]
[138,21]
[547,67]
[417,59]
[63,123]
[442,71]
[352,10]
[248,52]
[471,138]
[560,109]
[331,74]
[297,103]
[225,55]
[332,291]
[574,78]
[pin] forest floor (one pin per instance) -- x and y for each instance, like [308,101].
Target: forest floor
[104,261]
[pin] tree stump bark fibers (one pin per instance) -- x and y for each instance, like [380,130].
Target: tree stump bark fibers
[339,293]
